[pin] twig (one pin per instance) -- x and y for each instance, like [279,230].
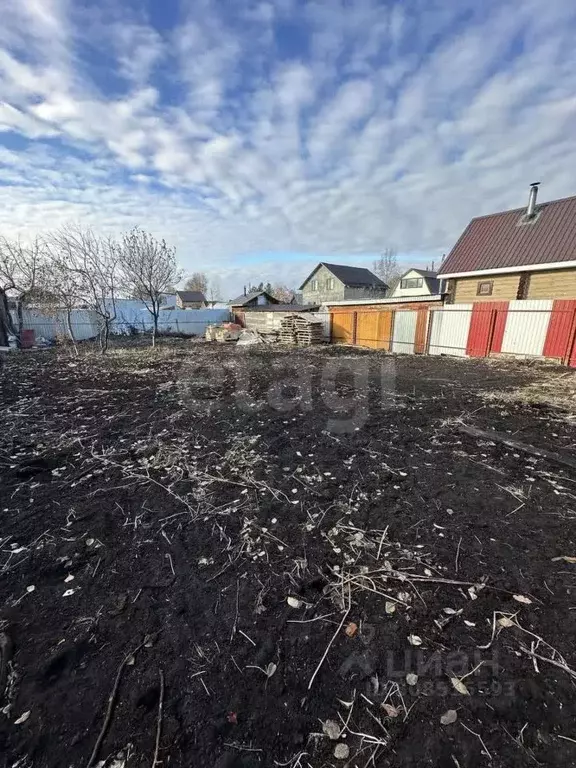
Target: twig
[558,664]
[111,703]
[159,721]
[332,640]
[247,638]
[458,554]
[484,747]
[308,621]
[235,625]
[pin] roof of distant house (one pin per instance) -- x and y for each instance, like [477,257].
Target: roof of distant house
[351,276]
[512,240]
[190,296]
[286,308]
[428,275]
[247,297]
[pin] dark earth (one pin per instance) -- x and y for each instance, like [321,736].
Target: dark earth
[160,506]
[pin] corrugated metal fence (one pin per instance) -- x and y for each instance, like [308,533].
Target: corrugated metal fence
[531,328]
[86,324]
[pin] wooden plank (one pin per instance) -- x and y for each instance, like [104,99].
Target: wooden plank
[342,327]
[505,287]
[498,437]
[421,332]
[553,284]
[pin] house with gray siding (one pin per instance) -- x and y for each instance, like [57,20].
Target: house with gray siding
[336,282]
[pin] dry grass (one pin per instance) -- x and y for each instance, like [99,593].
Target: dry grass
[557,390]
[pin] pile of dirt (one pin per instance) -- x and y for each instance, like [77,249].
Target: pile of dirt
[265,557]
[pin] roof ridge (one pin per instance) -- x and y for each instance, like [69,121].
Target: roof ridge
[523,208]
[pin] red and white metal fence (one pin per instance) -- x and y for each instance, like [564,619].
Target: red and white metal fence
[543,328]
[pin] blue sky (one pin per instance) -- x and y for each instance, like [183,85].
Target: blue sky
[260,137]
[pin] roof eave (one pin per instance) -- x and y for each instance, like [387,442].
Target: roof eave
[505,270]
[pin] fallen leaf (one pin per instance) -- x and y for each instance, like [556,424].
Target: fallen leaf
[411,678]
[522,599]
[459,686]
[414,640]
[450,611]
[270,669]
[390,710]
[390,607]
[449,717]
[68,593]
[22,718]
[566,558]
[505,622]
[469,623]
[293,602]
[341,751]
[131,661]
[69,578]
[331,729]
[351,629]
[31,588]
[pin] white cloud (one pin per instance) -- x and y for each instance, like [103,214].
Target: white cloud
[330,128]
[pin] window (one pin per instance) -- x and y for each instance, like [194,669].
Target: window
[411,282]
[330,284]
[485,288]
[313,285]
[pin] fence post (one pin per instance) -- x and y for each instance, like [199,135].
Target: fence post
[331,327]
[426,350]
[491,329]
[571,340]
[354,326]
[392,327]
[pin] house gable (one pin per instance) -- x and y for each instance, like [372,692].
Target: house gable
[417,282]
[334,282]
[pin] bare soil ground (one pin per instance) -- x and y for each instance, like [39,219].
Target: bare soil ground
[160,507]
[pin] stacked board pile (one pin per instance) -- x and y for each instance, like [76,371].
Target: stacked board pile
[301,330]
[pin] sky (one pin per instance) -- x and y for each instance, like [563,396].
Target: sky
[262,137]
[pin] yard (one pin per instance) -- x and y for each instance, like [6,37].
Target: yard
[221,558]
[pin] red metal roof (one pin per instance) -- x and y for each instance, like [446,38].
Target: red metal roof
[507,240]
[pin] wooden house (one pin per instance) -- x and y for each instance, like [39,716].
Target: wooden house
[526,253]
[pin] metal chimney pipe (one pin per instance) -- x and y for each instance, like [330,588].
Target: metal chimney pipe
[532,200]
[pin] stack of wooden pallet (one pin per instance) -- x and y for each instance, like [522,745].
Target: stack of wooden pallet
[287,334]
[301,330]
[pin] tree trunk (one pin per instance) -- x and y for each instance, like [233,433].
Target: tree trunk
[5,320]
[20,311]
[71,331]
[106,337]
[154,328]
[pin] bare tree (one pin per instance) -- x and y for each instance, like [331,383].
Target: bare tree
[62,292]
[386,266]
[215,290]
[198,281]
[148,268]
[92,265]
[21,268]
[283,293]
